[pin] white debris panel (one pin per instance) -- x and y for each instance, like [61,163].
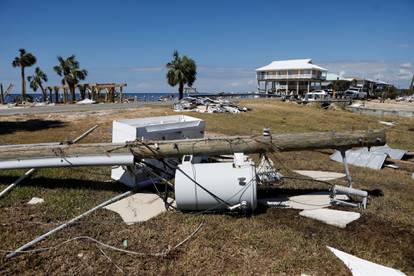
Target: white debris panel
[208,105]
[35,200]
[320,175]
[139,207]
[361,267]
[332,217]
[373,158]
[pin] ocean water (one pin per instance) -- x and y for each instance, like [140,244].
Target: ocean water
[146,97]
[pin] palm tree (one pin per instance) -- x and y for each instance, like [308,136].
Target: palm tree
[69,69]
[23,60]
[181,71]
[36,81]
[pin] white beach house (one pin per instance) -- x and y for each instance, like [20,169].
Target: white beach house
[284,76]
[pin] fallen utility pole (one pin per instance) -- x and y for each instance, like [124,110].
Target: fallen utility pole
[204,147]
[33,170]
[60,227]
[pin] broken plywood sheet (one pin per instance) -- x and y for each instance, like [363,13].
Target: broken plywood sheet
[309,201]
[138,207]
[361,267]
[332,217]
[320,175]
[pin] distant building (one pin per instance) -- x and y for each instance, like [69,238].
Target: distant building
[368,85]
[284,76]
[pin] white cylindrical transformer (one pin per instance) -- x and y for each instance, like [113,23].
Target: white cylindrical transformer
[231,182]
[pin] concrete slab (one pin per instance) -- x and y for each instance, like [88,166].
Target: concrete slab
[138,207]
[309,201]
[320,175]
[361,267]
[332,217]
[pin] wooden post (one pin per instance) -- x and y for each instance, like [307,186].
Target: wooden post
[205,146]
[1,94]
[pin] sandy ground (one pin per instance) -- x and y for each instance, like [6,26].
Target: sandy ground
[390,105]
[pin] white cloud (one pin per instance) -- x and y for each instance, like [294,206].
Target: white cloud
[405,45]
[147,69]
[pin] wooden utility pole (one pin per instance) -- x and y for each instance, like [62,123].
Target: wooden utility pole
[203,147]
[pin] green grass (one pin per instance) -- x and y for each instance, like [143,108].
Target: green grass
[273,241]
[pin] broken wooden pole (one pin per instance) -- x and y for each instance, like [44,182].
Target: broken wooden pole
[60,227]
[204,146]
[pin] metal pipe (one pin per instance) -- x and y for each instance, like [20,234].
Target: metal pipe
[73,161]
[348,175]
[20,179]
[44,236]
[32,170]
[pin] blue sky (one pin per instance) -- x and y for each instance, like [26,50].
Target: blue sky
[130,41]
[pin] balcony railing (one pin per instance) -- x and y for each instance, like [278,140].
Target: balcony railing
[290,77]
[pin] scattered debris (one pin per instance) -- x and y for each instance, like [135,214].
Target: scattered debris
[397,154]
[409,99]
[311,201]
[35,200]
[64,225]
[373,158]
[320,175]
[208,105]
[390,124]
[361,267]
[86,101]
[332,217]
[362,157]
[139,207]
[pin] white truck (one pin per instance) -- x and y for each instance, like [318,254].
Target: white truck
[355,93]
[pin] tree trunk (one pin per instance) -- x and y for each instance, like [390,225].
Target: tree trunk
[203,147]
[50,95]
[72,94]
[56,95]
[23,83]
[65,95]
[181,90]
[44,94]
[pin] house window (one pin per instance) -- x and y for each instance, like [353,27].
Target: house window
[293,72]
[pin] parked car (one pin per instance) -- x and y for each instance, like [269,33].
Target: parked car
[316,95]
[355,93]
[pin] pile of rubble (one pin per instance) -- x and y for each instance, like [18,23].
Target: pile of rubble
[409,99]
[207,105]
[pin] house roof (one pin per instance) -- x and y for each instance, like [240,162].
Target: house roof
[290,64]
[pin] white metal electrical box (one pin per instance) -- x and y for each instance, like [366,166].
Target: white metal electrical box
[215,186]
[151,128]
